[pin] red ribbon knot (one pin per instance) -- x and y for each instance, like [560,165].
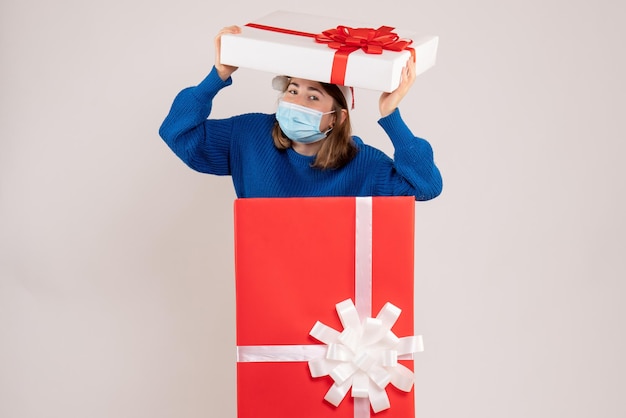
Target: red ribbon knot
[370,40]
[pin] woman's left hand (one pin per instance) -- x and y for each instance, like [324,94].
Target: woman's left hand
[389,101]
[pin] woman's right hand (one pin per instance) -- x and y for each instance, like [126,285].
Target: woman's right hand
[389,101]
[224,71]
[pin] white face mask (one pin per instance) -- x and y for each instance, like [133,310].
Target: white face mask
[300,123]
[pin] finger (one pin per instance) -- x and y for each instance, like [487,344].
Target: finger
[408,73]
[404,78]
[230,29]
[234,29]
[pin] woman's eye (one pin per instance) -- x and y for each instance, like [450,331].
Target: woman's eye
[313,98]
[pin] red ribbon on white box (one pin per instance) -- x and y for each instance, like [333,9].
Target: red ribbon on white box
[363,357]
[345,40]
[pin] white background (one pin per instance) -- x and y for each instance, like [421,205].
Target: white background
[116,260]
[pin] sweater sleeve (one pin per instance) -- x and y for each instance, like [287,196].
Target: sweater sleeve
[204,145]
[413,161]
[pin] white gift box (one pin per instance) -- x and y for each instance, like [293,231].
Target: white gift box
[285,43]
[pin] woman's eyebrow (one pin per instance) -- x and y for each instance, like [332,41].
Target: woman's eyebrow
[315,89]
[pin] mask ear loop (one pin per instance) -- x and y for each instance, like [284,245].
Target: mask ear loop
[330,127]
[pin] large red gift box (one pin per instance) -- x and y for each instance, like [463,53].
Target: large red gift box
[296,259]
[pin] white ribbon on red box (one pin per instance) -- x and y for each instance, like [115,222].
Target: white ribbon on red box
[363,357]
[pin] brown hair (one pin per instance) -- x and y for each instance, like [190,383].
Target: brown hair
[337,149]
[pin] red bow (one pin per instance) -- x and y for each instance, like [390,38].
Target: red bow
[370,40]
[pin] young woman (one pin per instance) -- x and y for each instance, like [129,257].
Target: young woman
[306,148]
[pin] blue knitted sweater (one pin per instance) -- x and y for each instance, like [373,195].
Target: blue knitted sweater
[242,147]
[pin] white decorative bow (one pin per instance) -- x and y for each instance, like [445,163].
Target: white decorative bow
[364,356]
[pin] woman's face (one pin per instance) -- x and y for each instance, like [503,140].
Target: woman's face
[311,94]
